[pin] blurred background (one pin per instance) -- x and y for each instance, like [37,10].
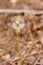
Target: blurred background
[21,4]
[30,37]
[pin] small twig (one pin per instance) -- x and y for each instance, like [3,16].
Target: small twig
[20,11]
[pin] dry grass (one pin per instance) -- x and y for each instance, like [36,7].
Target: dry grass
[21,4]
[31,37]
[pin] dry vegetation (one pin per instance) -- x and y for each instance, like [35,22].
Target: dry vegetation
[30,38]
[21,4]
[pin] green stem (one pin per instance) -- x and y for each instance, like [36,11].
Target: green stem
[18,47]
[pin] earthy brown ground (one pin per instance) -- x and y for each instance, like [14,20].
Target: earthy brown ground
[30,38]
[21,4]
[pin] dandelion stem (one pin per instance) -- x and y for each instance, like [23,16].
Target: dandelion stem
[18,47]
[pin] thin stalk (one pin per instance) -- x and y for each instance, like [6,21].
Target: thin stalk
[18,47]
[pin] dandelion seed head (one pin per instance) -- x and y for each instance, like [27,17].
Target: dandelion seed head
[18,23]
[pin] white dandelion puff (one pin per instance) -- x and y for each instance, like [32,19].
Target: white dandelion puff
[18,23]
